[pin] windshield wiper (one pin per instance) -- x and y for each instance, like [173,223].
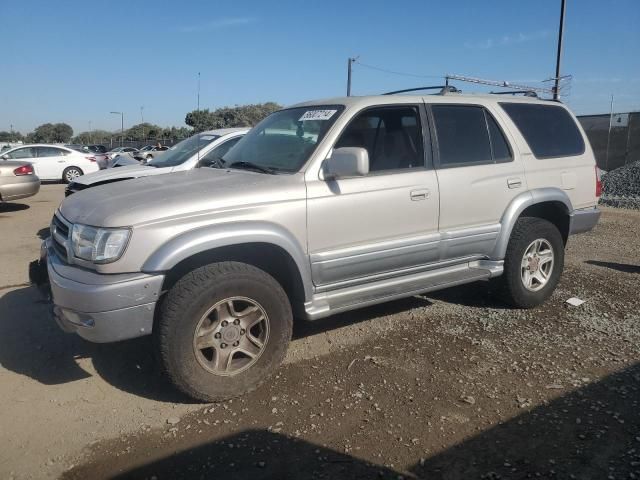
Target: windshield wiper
[253,166]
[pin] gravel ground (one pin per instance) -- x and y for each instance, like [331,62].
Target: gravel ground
[621,187]
[452,385]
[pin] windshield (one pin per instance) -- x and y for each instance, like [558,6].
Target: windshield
[183,151]
[284,140]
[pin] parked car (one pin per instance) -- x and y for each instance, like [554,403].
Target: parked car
[120,152]
[54,162]
[199,149]
[321,208]
[98,152]
[17,180]
[148,153]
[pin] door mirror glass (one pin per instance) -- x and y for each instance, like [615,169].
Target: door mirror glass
[346,162]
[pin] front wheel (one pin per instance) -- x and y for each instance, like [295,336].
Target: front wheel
[533,263]
[223,329]
[70,174]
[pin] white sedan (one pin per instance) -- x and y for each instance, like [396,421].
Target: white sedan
[202,149]
[54,162]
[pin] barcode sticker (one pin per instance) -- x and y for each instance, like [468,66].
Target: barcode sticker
[317,115]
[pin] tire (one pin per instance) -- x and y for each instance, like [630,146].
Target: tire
[521,285]
[69,174]
[190,330]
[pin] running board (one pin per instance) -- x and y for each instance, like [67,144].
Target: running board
[349,298]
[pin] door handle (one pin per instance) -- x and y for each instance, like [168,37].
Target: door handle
[422,194]
[514,182]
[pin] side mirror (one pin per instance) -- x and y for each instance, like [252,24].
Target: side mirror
[346,162]
[5,157]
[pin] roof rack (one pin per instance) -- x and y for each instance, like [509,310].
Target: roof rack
[521,89]
[526,93]
[443,89]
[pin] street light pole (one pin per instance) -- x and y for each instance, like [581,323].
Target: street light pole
[121,126]
[556,87]
[142,119]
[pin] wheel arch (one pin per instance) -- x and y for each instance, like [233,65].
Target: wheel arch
[266,246]
[551,204]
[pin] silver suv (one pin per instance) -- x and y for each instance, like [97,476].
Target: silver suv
[323,207]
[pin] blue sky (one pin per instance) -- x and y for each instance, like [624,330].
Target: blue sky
[76,61]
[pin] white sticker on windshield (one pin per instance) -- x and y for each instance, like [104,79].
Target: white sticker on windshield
[317,115]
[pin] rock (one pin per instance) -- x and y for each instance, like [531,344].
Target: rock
[468,399]
[173,420]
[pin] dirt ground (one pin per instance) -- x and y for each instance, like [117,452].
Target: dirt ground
[451,385]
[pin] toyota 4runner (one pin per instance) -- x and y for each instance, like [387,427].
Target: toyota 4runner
[323,207]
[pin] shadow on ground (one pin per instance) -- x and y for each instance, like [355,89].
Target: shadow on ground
[620,267]
[591,433]
[12,207]
[31,344]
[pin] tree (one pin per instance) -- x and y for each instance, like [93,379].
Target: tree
[227,117]
[143,131]
[51,133]
[94,136]
[10,136]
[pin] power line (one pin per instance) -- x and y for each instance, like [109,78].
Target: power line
[404,74]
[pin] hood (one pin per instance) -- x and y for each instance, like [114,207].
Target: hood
[119,173]
[179,195]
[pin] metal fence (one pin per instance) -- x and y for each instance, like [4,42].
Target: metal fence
[615,138]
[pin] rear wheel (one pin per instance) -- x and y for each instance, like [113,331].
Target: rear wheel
[223,329]
[533,263]
[70,174]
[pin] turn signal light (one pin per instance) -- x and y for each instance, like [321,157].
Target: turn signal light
[598,183]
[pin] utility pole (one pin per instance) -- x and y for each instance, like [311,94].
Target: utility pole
[606,160]
[142,120]
[90,137]
[11,132]
[556,87]
[121,126]
[350,62]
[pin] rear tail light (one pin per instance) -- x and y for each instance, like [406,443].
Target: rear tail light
[598,183]
[23,170]
[91,159]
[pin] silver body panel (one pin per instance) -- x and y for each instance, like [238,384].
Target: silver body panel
[355,241]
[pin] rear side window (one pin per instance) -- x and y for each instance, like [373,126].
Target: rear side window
[548,129]
[468,135]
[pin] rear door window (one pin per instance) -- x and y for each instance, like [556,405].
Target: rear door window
[463,138]
[50,152]
[549,130]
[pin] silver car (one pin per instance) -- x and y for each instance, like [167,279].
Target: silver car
[17,180]
[323,207]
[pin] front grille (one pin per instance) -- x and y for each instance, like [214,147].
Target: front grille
[60,236]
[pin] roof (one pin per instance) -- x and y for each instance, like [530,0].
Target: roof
[479,98]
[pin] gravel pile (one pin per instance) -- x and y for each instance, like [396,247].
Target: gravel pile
[621,187]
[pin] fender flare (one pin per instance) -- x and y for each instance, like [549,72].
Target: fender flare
[202,239]
[518,205]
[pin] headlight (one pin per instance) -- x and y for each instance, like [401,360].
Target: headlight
[98,245]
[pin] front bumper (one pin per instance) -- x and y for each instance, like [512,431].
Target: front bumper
[583,220]
[101,308]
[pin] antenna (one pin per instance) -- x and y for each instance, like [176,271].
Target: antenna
[498,83]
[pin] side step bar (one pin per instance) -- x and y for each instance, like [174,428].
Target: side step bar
[349,298]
